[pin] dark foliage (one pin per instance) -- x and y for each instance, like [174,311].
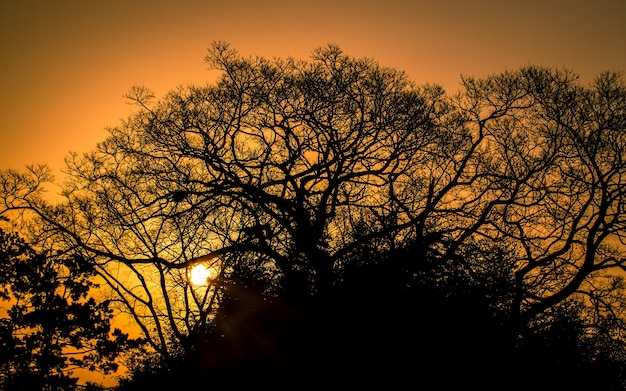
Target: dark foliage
[387,325]
[51,325]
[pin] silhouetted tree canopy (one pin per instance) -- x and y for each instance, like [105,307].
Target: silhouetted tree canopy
[340,206]
[50,326]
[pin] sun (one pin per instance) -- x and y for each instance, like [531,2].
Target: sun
[199,274]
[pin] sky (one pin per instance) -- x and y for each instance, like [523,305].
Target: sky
[66,64]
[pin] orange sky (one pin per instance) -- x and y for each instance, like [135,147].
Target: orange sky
[65,64]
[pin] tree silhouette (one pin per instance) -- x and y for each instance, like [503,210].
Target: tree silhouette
[51,326]
[298,181]
[552,158]
[304,150]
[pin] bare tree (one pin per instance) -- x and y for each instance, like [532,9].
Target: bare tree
[283,170]
[271,168]
[552,161]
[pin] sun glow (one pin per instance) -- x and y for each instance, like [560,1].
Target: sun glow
[199,274]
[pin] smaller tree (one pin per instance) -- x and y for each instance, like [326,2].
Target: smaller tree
[49,323]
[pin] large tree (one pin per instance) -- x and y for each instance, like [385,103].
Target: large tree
[285,173]
[268,170]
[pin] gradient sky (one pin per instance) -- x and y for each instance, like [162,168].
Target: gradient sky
[66,64]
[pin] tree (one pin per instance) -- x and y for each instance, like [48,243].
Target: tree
[552,164]
[266,173]
[284,175]
[51,326]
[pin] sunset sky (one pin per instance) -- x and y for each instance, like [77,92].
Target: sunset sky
[65,65]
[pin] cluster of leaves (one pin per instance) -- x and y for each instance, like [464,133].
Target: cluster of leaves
[50,325]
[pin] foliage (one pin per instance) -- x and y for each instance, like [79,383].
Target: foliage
[50,326]
[387,329]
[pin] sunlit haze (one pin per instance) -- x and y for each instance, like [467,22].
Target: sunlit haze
[199,274]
